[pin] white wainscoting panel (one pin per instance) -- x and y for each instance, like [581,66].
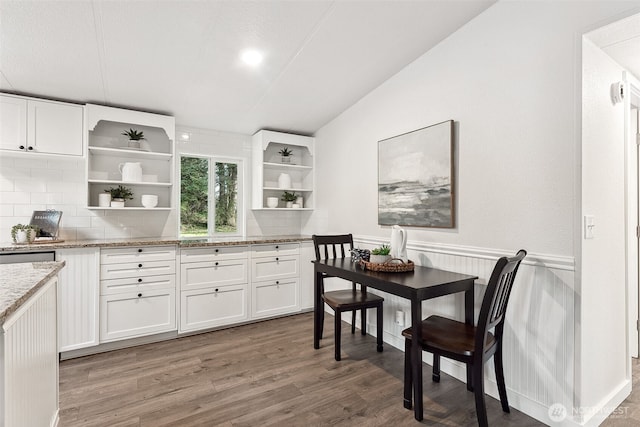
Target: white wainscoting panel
[539,331]
[31,362]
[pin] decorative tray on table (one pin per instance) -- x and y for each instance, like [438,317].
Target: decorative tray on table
[394,265]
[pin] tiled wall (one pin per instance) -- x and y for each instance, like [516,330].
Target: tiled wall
[30,183]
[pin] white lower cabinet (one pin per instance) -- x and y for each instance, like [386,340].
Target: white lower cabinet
[137,292]
[78,298]
[274,297]
[211,307]
[134,314]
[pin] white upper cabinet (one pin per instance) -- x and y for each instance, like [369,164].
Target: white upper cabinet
[273,174]
[109,152]
[36,126]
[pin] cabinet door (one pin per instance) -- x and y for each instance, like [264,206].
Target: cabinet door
[211,307]
[274,297]
[198,275]
[13,123]
[132,314]
[273,268]
[307,254]
[55,128]
[78,298]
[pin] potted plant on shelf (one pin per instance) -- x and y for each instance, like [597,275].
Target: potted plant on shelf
[21,233]
[119,195]
[289,198]
[380,255]
[286,155]
[135,137]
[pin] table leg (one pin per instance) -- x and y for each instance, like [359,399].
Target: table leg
[416,358]
[317,306]
[468,319]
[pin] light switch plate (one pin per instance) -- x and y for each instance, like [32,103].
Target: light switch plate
[589,226]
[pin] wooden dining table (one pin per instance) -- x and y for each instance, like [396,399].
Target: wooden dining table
[421,284]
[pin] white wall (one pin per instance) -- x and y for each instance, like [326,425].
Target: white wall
[511,79]
[601,321]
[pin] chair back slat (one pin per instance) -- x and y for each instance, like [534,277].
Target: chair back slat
[496,298]
[332,245]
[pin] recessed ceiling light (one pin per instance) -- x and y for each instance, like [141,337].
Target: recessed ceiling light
[251,57]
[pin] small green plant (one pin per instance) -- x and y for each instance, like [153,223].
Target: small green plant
[120,192]
[134,135]
[288,197]
[285,152]
[24,227]
[382,250]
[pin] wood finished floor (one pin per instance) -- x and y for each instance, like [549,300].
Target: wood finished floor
[259,375]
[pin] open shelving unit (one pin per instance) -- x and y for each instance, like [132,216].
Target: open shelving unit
[107,149]
[267,167]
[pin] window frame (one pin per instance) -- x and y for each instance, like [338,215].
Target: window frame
[212,159]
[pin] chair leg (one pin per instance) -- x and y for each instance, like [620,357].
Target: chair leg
[478,386]
[502,389]
[353,321]
[363,321]
[338,328]
[408,383]
[322,321]
[436,368]
[379,327]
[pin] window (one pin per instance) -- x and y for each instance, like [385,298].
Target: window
[210,196]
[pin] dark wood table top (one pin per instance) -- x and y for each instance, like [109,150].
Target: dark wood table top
[420,284]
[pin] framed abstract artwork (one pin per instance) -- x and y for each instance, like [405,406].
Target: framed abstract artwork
[416,178]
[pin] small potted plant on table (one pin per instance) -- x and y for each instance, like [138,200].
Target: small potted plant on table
[24,233]
[119,195]
[289,198]
[135,137]
[380,255]
[286,155]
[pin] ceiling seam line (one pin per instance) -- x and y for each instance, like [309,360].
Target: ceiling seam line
[99,34]
[306,41]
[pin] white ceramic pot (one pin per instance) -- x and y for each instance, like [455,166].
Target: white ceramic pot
[379,259]
[149,200]
[289,204]
[300,201]
[284,181]
[295,206]
[117,203]
[272,202]
[104,200]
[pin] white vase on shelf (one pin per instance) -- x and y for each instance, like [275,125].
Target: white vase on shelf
[284,180]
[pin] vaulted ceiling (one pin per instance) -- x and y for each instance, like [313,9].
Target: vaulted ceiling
[183,57]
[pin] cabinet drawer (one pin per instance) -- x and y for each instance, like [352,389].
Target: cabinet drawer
[136,269]
[274,297]
[134,314]
[218,273]
[211,307]
[272,268]
[137,254]
[275,249]
[137,284]
[212,253]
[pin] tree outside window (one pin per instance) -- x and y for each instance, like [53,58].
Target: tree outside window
[200,214]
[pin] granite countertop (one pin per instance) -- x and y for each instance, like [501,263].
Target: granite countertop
[18,282]
[149,241]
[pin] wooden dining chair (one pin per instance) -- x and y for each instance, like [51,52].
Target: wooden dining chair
[472,345]
[354,299]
